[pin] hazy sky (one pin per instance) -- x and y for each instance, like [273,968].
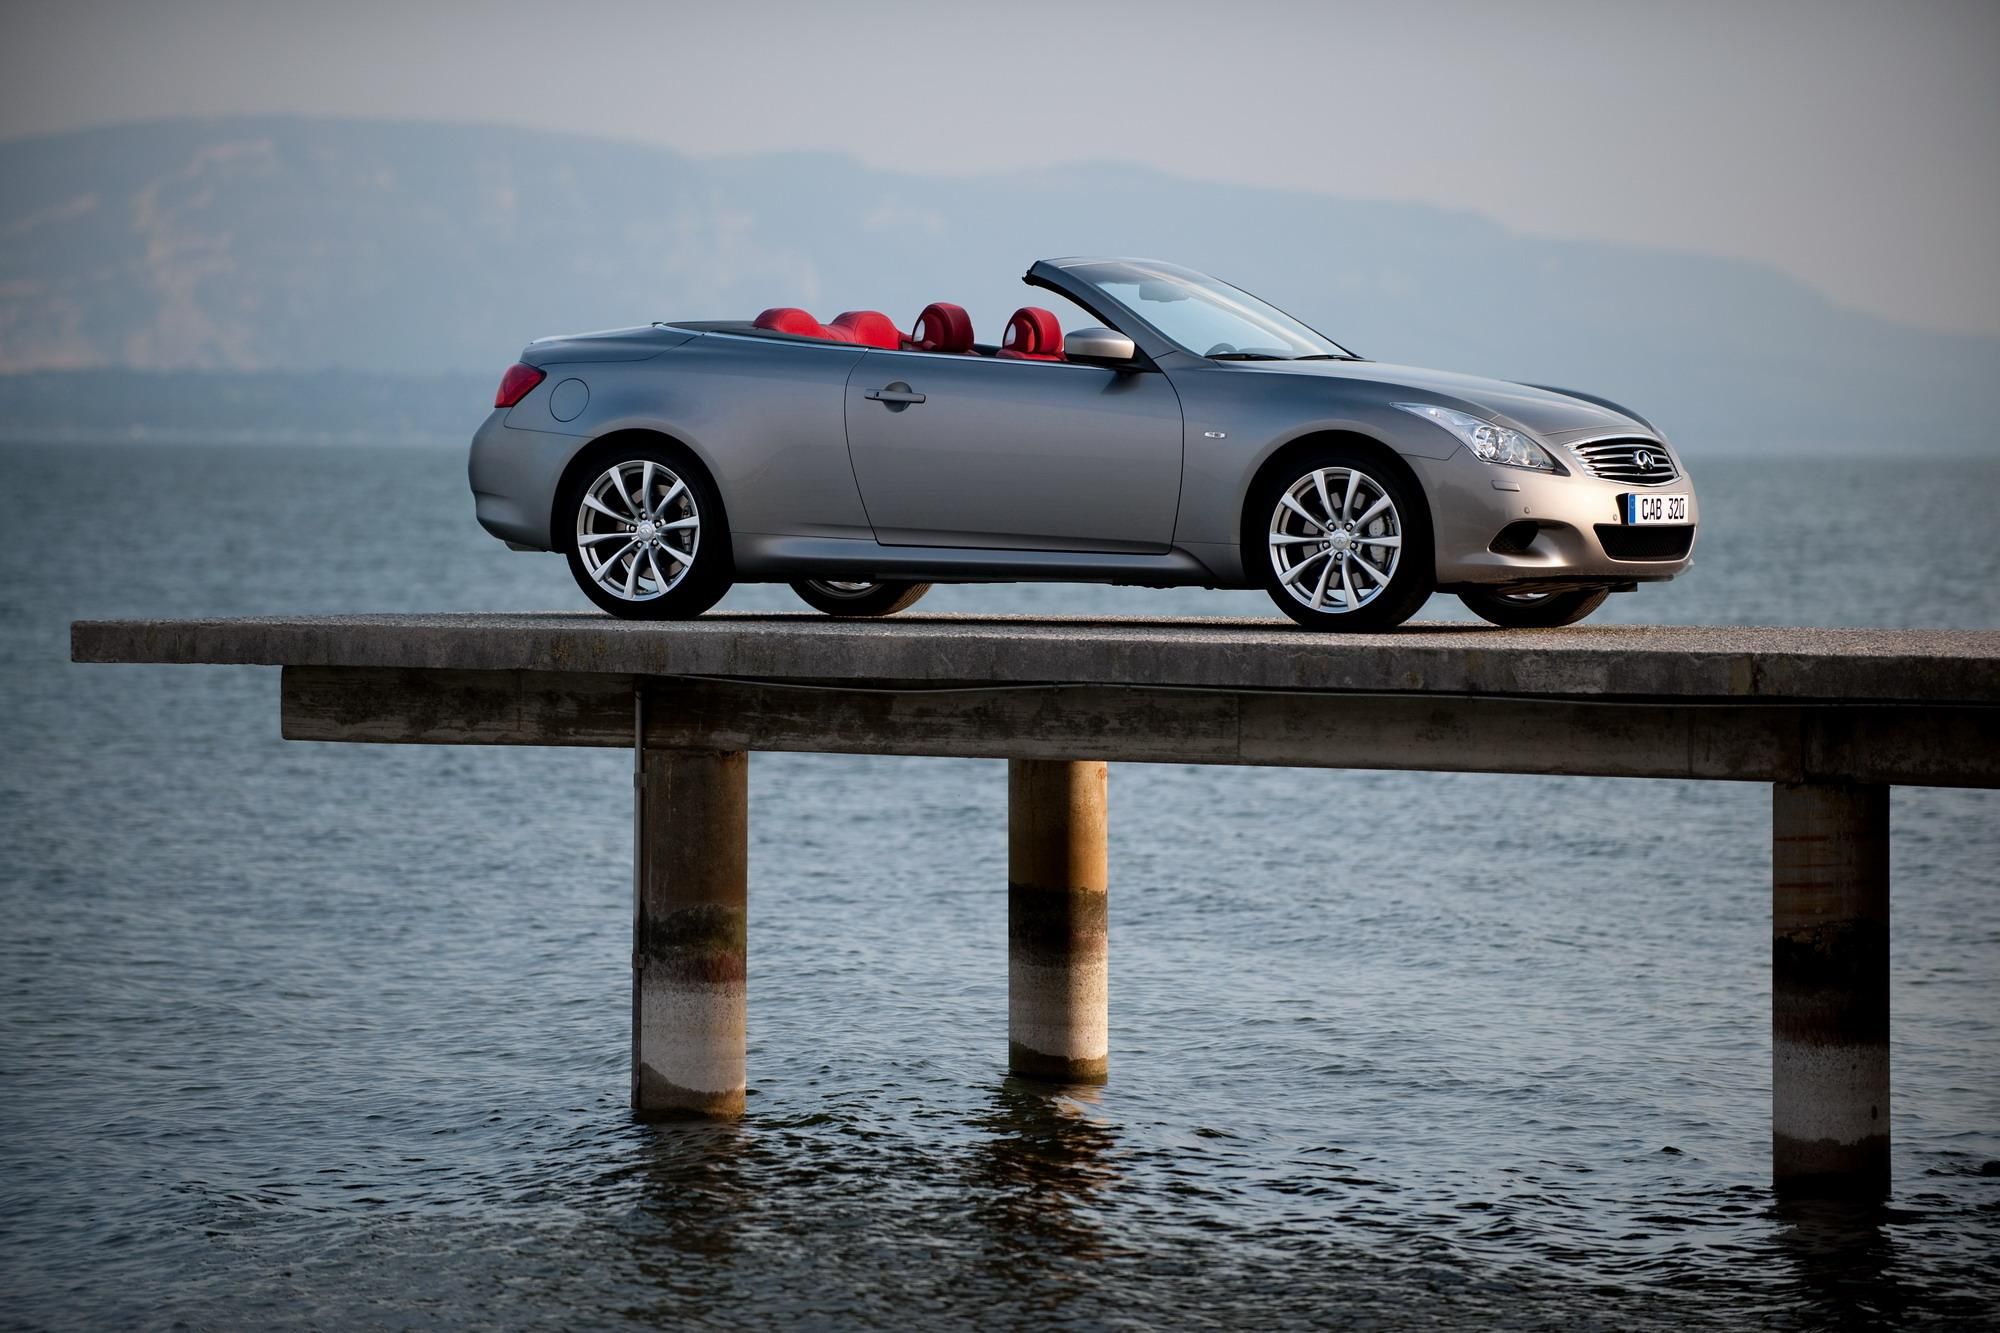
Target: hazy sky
[1854,146]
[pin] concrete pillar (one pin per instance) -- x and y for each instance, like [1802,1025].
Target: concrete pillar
[1830,988]
[690,892]
[1056,869]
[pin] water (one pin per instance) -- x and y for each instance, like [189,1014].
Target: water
[331,1036]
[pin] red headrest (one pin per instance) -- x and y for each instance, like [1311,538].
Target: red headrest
[789,319]
[871,328]
[1034,334]
[943,327]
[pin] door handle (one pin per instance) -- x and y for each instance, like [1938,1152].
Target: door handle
[898,394]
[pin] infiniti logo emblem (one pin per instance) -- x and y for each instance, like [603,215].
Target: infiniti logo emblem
[1644,458]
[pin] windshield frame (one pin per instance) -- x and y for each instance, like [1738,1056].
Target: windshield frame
[1081,284]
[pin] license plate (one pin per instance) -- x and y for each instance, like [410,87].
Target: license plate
[1641,510]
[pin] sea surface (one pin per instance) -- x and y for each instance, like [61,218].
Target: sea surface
[298,1036]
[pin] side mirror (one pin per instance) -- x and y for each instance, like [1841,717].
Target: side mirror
[1102,345]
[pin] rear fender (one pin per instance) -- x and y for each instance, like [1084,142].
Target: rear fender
[765,416]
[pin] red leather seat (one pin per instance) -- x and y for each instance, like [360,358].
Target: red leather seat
[943,327]
[789,319]
[1033,334]
[870,328]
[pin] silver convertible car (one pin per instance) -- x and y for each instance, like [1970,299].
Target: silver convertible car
[1195,435]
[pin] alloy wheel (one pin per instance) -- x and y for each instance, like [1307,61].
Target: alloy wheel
[638,530]
[1335,539]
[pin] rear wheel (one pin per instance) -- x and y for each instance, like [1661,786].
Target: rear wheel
[859,599]
[1533,610]
[635,538]
[1346,541]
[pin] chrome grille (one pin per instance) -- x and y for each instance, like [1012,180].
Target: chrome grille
[1637,462]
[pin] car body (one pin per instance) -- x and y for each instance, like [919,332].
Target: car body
[848,456]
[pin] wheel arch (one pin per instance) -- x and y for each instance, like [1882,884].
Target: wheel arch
[1250,530]
[595,455]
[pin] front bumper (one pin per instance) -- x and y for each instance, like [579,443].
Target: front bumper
[1473,503]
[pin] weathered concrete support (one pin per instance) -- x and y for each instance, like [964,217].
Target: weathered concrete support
[1754,740]
[690,892]
[1057,997]
[1830,988]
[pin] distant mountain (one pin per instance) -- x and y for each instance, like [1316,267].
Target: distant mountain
[430,250]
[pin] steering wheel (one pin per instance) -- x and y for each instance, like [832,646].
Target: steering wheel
[1220,349]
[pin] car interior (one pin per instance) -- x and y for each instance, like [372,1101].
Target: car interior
[1033,334]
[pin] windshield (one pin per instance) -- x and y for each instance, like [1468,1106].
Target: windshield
[1205,316]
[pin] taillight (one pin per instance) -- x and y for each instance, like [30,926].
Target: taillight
[516,383]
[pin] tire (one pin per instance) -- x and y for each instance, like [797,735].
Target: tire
[859,599]
[675,572]
[1534,610]
[1363,585]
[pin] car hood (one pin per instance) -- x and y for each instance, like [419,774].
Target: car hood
[1542,411]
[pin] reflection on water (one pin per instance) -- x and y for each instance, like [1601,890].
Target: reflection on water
[693,1193]
[1843,1260]
[1038,1172]
[335,1036]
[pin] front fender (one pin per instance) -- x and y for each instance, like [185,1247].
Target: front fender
[1235,423]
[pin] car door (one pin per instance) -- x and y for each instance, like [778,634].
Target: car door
[977,451]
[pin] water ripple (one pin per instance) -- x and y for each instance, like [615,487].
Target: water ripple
[297,1036]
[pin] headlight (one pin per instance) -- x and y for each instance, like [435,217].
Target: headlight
[1494,444]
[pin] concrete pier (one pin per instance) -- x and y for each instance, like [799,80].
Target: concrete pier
[1831,718]
[1057,977]
[1830,988]
[688,940]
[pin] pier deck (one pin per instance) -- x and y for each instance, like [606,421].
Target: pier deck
[1830,718]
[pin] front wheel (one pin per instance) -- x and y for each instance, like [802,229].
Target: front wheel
[636,544]
[1346,541]
[1533,610]
[859,599]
